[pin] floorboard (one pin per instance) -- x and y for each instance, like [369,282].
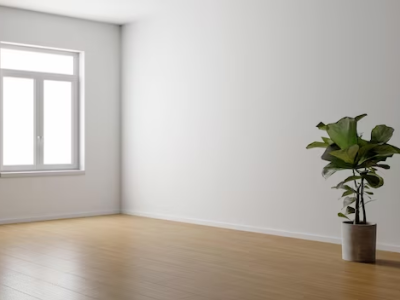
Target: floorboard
[132,258]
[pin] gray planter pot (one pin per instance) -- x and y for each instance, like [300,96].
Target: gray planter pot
[359,242]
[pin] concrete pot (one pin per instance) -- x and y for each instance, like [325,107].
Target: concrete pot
[359,242]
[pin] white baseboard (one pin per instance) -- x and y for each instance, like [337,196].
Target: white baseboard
[59,216]
[291,234]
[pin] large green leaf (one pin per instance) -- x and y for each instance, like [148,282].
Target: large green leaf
[374,180]
[337,162]
[317,145]
[344,132]
[381,134]
[347,155]
[365,153]
[386,150]
[372,154]
[350,210]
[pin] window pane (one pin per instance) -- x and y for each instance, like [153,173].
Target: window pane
[57,122]
[18,121]
[36,62]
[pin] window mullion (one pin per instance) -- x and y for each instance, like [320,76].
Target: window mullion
[39,123]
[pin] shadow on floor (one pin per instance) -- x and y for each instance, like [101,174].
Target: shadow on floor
[388,263]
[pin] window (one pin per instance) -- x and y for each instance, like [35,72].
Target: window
[39,128]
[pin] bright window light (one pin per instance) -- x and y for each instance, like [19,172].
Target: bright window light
[57,125]
[36,61]
[18,121]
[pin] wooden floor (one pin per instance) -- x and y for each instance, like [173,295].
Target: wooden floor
[123,257]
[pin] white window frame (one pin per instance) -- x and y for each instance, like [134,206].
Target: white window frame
[39,78]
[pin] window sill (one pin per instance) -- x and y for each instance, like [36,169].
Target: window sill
[41,173]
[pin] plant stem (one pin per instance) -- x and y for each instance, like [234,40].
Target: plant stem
[362,202]
[357,206]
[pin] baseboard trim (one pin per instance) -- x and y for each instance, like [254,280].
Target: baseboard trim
[291,234]
[59,216]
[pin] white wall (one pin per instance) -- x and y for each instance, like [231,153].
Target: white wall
[220,99]
[98,191]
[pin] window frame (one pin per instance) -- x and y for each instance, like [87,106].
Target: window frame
[39,78]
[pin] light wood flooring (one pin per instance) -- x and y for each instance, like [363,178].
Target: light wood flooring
[130,258]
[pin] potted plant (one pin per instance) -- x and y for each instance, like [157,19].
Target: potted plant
[346,150]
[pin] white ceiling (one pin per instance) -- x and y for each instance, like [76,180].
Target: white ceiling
[111,11]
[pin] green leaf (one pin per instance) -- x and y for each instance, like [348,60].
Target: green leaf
[395,148]
[374,180]
[343,186]
[383,166]
[327,154]
[344,132]
[343,216]
[365,153]
[350,210]
[347,193]
[370,193]
[358,118]
[348,201]
[381,134]
[321,126]
[317,145]
[362,142]
[351,178]
[348,155]
[329,170]
[327,140]
[370,155]
[371,164]
[336,162]
[386,150]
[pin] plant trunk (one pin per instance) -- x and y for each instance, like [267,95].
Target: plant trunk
[362,202]
[357,206]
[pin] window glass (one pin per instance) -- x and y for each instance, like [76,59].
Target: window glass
[36,61]
[18,121]
[57,122]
